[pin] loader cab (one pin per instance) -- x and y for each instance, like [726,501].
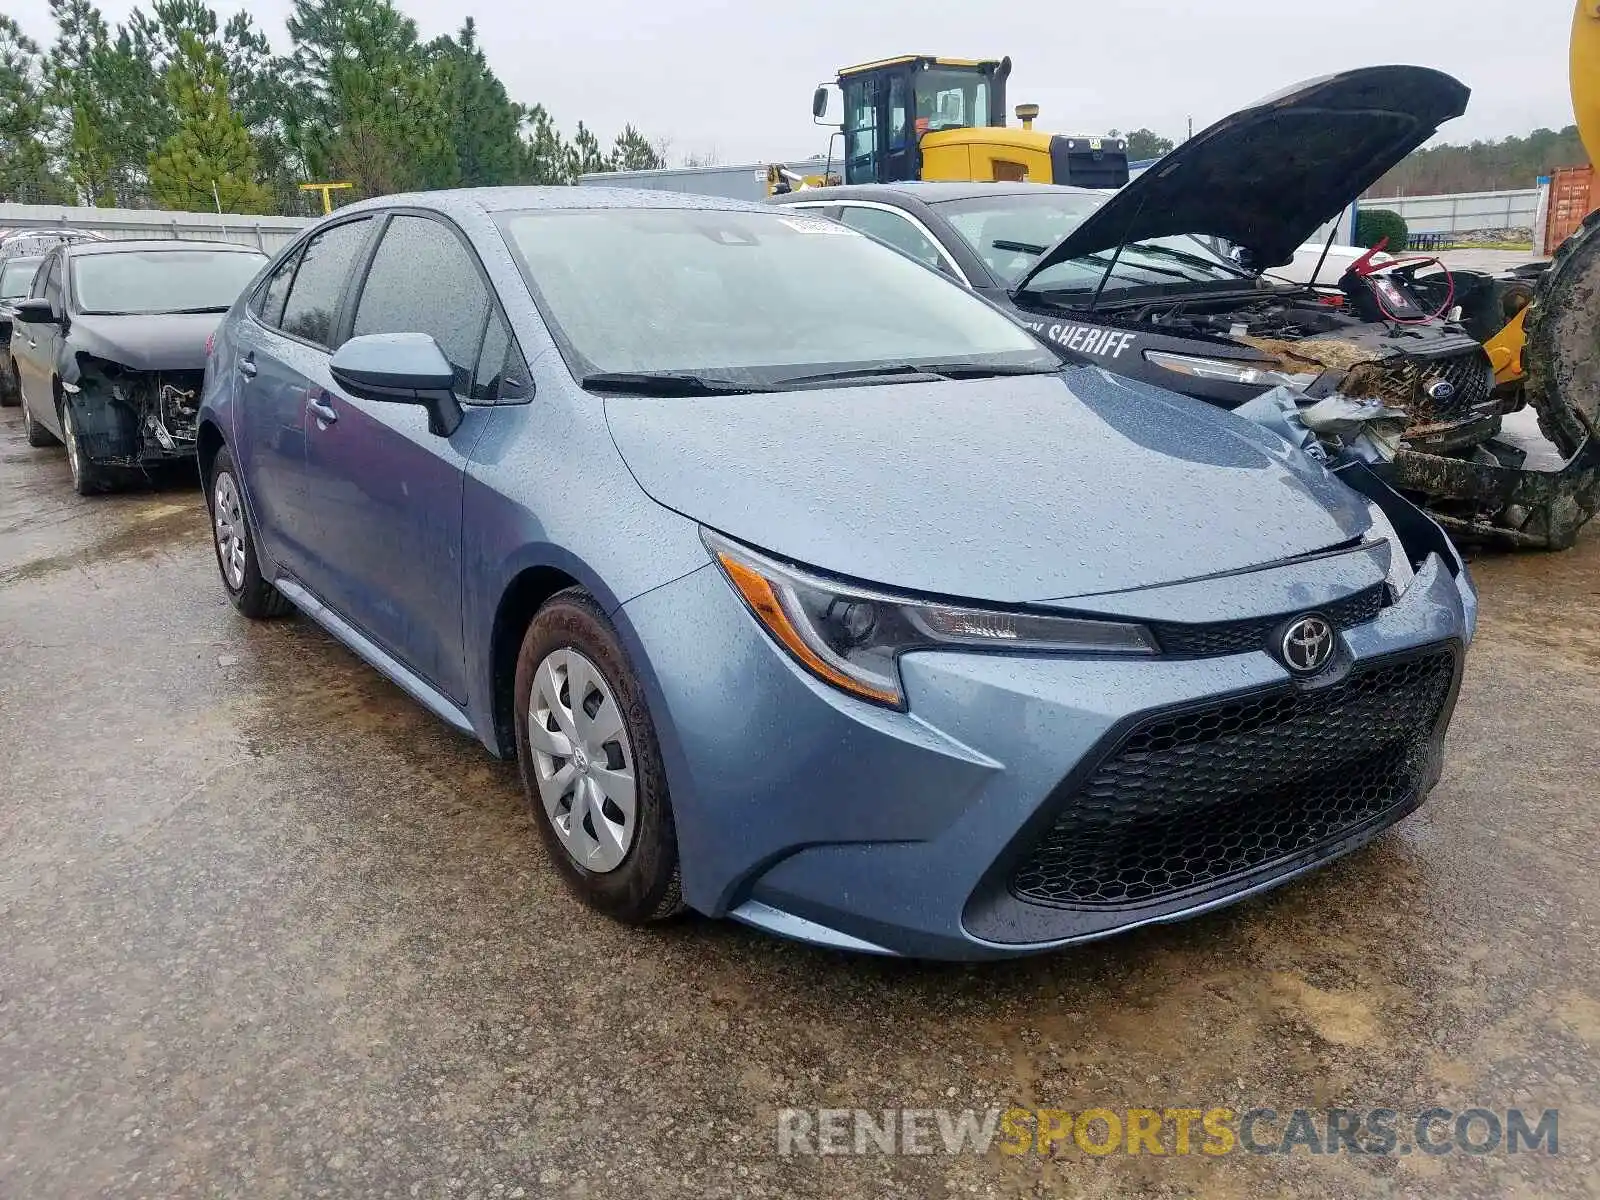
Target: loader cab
[889,106]
[923,118]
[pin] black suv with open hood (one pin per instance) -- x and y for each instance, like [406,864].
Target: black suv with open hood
[1166,280]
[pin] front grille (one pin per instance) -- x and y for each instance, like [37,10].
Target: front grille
[1405,381]
[1237,637]
[1192,798]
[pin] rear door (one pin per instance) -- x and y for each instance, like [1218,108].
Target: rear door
[281,362]
[384,494]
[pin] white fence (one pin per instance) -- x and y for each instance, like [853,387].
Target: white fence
[1464,211]
[264,233]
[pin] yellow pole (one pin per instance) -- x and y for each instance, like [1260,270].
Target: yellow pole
[327,190]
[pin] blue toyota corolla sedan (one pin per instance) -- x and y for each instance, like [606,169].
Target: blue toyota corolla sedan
[807,588]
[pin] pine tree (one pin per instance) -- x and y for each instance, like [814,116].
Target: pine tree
[25,170]
[632,151]
[209,161]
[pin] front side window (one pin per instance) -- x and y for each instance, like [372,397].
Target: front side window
[149,282]
[423,280]
[319,283]
[762,296]
[16,279]
[896,230]
[50,285]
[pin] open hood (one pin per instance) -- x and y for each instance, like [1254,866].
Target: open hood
[1268,176]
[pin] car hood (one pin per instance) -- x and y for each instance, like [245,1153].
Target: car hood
[169,342]
[1011,490]
[1269,175]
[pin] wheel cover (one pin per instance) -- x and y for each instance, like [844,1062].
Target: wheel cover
[582,760]
[228,515]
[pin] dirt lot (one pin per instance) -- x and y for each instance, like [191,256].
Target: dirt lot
[270,930]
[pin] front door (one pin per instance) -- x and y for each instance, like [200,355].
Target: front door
[383,494]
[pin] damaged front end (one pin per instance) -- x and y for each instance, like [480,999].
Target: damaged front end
[1476,485]
[128,418]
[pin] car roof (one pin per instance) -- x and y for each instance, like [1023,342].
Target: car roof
[515,199]
[928,193]
[146,245]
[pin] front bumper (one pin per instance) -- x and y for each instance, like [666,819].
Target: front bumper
[812,814]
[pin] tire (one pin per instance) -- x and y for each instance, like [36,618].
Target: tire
[630,872]
[235,545]
[10,394]
[38,436]
[1563,383]
[88,479]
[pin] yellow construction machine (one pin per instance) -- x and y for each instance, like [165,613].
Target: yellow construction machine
[918,116]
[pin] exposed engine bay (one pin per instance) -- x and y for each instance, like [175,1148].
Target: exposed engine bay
[1331,342]
[134,418]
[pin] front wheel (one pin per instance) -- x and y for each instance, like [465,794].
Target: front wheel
[591,767]
[10,394]
[88,478]
[248,590]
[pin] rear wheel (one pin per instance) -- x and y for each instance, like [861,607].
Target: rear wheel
[591,767]
[38,436]
[248,590]
[10,395]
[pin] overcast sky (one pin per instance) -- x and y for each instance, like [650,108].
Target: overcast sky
[736,79]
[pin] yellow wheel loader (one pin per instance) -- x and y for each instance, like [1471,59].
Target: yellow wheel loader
[922,117]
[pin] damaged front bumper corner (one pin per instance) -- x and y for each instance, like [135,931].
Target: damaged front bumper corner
[128,418]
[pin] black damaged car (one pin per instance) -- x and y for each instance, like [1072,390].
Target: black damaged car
[1169,279]
[109,350]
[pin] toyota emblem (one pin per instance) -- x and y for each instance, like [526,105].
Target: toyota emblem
[1307,645]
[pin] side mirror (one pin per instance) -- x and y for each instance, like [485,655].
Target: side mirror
[401,368]
[36,311]
[820,99]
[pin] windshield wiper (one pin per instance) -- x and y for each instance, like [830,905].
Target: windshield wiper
[1197,259]
[184,312]
[666,383]
[1018,247]
[915,373]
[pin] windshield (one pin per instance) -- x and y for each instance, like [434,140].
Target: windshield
[162,281]
[762,296]
[16,277]
[1010,232]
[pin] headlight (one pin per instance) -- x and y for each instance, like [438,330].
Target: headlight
[850,637]
[1226,370]
[1401,572]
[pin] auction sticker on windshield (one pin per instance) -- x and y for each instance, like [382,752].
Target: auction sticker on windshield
[817,225]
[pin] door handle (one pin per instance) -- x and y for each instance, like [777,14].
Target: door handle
[322,411]
[247,366]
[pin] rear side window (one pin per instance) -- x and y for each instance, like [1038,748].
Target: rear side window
[313,303]
[423,280]
[268,302]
